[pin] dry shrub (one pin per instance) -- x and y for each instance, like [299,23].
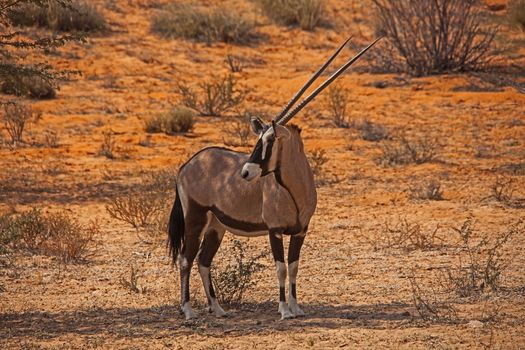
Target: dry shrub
[405,235]
[503,190]
[434,36]
[51,139]
[336,101]
[108,146]
[430,304]
[374,132]
[234,63]
[32,86]
[233,278]
[428,190]
[317,159]
[75,16]
[177,120]
[57,235]
[16,117]
[131,282]
[516,13]
[218,95]
[403,150]
[188,22]
[307,14]
[237,131]
[146,206]
[483,267]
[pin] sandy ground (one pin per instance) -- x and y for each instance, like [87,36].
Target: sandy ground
[355,292]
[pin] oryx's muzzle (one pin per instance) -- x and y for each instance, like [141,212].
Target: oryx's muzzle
[250,171]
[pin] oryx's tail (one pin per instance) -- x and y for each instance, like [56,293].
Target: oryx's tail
[176,228]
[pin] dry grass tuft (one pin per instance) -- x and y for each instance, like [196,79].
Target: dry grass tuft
[188,22]
[428,190]
[516,13]
[75,16]
[307,14]
[177,120]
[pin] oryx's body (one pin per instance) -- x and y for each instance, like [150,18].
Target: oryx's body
[268,192]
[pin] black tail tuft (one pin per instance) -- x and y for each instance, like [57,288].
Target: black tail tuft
[176,229]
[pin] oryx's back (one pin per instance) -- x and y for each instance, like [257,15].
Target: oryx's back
[211,180]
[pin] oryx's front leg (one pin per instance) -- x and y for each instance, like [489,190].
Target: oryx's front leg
[276,242]
[296,242]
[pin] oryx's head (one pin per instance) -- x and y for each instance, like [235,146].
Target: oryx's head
[265,158]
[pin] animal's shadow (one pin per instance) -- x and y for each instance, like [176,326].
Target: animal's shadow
[166,320]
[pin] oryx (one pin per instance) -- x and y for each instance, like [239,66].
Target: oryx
[268,192]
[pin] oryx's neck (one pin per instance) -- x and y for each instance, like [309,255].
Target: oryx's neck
[296,176]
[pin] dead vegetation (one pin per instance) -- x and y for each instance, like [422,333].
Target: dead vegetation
[131,281]
[317,159]
[189,22]
[336,100]
[177,120]
[370,131]
[516,13]
[32,86]
[402,150]
[108,145]
[432,37]
[76,15]
[483,267]
[146,206]
[55,234]
[234,63]
[216,96]
[405,235]
[427,190]
[237,130]
[307,14]
[16,118]
[236,276]
[502,190]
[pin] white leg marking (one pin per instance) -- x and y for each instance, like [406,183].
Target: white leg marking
[284,310]
[214,304]
[292,301]
[188,312]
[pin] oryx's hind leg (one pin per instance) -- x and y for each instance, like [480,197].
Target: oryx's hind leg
[189,250]
[296,242]
[210,245]
[276,242]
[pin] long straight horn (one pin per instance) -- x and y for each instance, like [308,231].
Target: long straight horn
[309,82]
[317,91]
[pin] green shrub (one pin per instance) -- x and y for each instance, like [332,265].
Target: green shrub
[307,14]
[187,22]
[77,16]
[179,119]
[517,13]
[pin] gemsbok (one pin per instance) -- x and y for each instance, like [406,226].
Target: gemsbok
[268,192]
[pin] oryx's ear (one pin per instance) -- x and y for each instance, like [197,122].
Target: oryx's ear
[257,125]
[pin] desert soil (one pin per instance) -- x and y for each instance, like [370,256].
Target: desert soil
[355,291]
